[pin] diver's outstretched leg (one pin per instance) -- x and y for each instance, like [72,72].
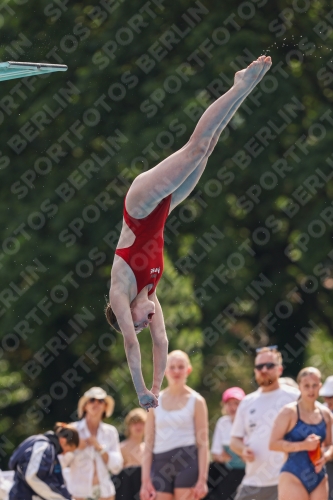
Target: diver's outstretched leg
[150,187]
[183,191]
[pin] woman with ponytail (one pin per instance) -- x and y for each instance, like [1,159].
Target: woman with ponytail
[37,467]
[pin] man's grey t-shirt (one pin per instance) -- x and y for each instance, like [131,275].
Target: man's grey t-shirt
[253,422]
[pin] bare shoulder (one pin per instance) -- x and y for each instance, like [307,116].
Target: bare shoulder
[120,272]
[123,281]
[199,397]
[285,419]
[118,298]
[288,410]
[200,401]
[326,413]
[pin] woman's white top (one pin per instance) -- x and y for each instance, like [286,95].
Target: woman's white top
[222,434]
[81,463]
[221,442]
[175,428]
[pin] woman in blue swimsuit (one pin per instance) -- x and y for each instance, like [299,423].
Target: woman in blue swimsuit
[301,428]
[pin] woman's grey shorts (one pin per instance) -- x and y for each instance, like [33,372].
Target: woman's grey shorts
[177,468]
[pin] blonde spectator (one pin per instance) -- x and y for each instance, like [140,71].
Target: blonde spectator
[132,447]
[98,453]
[175,461]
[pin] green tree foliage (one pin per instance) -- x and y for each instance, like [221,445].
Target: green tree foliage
[248,255]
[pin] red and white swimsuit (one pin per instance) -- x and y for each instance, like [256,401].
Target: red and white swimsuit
[145,256]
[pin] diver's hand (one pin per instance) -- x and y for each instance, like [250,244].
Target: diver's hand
[155,390]
[147,400]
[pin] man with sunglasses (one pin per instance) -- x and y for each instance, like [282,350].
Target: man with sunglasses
[253,424]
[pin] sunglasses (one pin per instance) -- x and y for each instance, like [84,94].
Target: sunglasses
[269,347]
[92,400]
[269,366]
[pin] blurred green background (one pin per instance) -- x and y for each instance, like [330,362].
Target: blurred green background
[248,256]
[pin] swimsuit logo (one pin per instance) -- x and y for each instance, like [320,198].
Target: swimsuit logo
[155,270]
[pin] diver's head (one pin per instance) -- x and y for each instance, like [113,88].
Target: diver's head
[142,311]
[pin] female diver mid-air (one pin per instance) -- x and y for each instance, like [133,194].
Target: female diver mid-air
[138,263]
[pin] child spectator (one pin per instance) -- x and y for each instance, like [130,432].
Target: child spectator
[132,448]
[221,452]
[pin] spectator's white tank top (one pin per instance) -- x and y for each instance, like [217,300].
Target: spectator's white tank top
[174,429]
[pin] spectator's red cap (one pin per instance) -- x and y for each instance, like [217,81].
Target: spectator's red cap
[233,393]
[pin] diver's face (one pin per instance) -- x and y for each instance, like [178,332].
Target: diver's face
[142,314]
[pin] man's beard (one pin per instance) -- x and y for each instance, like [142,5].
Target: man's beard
[265,382]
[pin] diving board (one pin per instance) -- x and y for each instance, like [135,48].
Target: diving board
[14,69]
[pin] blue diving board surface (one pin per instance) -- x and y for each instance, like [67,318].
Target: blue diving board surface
[14,69]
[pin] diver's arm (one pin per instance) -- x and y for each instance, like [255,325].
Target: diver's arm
[160,345]
[121,308]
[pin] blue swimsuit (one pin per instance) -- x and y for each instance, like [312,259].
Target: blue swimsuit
[298,463]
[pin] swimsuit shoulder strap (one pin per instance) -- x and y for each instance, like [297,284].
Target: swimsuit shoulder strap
[321,413]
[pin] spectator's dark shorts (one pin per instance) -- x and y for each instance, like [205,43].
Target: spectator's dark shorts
[223,482]
[177,468]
